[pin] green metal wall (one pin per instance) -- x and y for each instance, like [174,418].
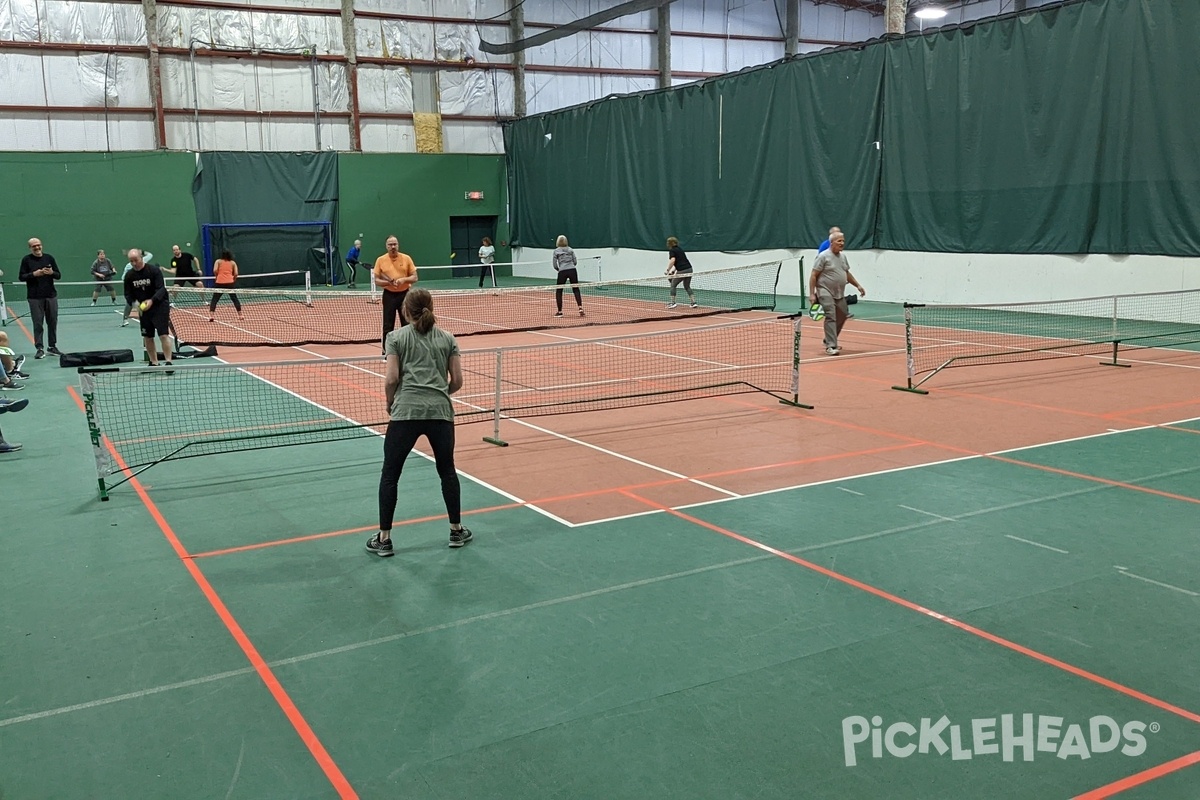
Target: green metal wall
[78,203]
[413,196]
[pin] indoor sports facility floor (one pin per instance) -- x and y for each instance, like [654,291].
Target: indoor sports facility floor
[718,598]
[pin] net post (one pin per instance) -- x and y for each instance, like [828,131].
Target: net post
[495,437]
[795,401]
[1116,336]
[374,290]
[1116,345]
[803,290]
[3,308]
[87,385]
[908,353]
[308,298]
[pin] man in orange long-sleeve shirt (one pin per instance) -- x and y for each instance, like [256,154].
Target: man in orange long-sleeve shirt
[395,272]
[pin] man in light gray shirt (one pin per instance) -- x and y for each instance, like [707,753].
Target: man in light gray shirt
[827,286]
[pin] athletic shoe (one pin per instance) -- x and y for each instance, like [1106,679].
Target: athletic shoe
[55,350]
[18,363]
[18,374]
[93,302]
[14,406]
[460,537]
[168,371]
[9,447]
[125,322]
[12,386]
[849,316]
[40,353]
[379,548]
[558,313]
[694,304]
[581,312]
[672,305]
[832,351]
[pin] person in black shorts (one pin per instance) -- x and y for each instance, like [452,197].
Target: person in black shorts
[145,288]
[565,265]
[680,271]
[184,266]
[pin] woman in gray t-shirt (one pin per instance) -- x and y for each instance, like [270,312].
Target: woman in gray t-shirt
[423,369]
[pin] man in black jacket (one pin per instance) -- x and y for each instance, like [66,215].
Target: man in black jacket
[39,271]
[145,288]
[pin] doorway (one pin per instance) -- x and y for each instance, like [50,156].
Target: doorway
[466,236]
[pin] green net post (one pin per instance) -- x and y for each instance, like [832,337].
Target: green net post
[795,387]
[909,386]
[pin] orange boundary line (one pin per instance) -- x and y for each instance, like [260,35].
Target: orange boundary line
[1124,415]
[968,452]
[345,532]
[324,760]
[1097,479]
[544,500]
[900,601]
[1145,776]
[28,333]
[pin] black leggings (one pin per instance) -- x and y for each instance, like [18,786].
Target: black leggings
[570,276]
[484,271]
[402,434]
[217,292]
[392,303]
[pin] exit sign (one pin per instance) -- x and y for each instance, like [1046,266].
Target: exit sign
[474,196]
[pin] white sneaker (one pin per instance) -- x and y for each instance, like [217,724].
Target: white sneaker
[832,351]
[124,322]
[694,304]
[672,305]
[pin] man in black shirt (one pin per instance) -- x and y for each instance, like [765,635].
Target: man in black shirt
[144,287]
[39,271]
[184,266]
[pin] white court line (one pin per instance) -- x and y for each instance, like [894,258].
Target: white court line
[1128,574]
[1036,544]
[562,600]
[374,432]
[850,491]
[928,513]
[920,466]
[378,641]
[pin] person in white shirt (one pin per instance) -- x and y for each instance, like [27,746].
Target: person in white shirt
[487,257]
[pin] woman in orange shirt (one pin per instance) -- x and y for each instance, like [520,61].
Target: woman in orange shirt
[225,274]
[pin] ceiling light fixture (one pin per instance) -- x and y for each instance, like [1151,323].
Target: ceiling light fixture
[930,12]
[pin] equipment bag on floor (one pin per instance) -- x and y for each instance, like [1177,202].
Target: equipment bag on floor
[95,358]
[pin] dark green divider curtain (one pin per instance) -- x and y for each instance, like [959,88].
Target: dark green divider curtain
[1069,130]
[768,158]
[271,188]
[1072,130]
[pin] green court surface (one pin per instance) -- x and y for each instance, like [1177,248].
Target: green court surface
[730,649]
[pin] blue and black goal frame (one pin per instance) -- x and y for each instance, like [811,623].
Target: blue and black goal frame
[332,270]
